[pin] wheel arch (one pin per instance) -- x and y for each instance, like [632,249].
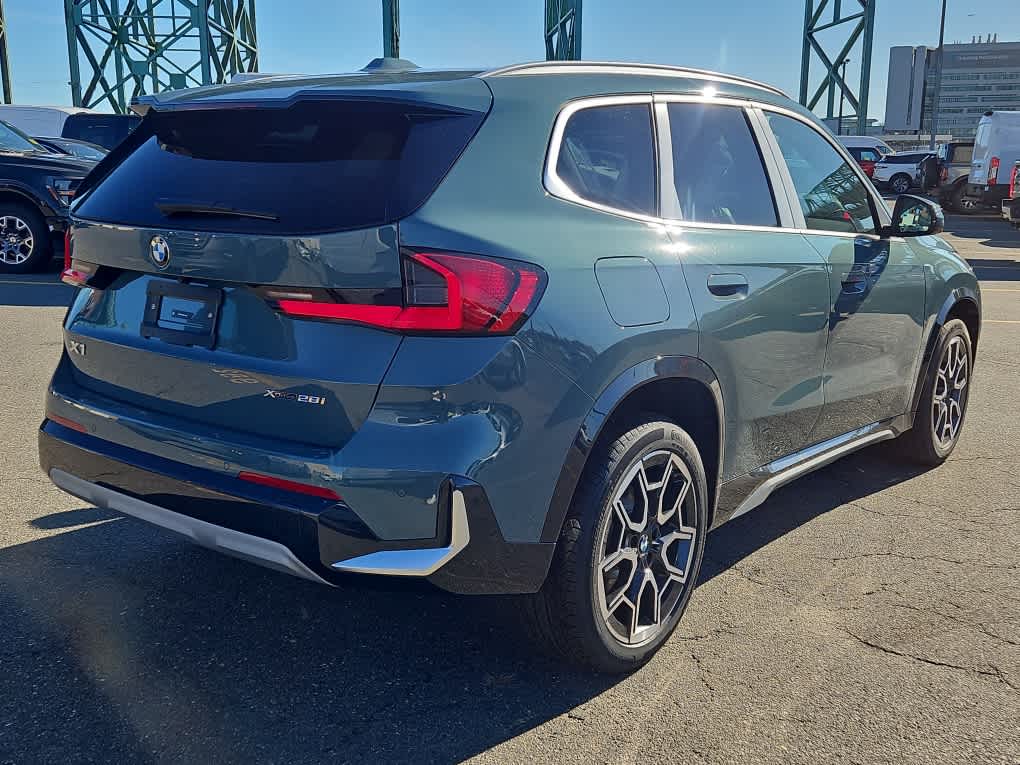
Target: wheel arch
[13,192]
[665,386]
[962,302]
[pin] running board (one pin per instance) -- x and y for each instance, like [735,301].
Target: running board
[786,469]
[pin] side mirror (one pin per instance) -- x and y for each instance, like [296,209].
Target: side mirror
[916,216]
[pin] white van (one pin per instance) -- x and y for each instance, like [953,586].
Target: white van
[865,142]
[107,130]
[996,149]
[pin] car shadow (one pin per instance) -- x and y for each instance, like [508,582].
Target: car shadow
[118,637]
[35,290]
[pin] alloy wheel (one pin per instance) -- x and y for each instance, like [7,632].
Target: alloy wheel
[900,185]
[949,396]
[645,548]
[16,240]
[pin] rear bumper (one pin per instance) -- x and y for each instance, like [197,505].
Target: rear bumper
[989,196]
[314,538]
[1010,209]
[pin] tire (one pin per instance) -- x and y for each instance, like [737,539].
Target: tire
[24,239]
[932,439]
[961,203]
[900,183]
[567,616]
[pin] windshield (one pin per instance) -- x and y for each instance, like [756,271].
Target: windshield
[12,139]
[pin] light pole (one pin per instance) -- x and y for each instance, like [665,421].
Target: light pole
[842,94]
[938,80]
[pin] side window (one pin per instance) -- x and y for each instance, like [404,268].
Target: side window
[607,156]
[832,195]
[717,168]
[869,155]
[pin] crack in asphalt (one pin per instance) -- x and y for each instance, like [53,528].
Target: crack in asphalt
[992,671]
[973,625]
[917,558]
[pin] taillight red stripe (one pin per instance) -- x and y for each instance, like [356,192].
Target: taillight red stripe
[283,483]
[482,296]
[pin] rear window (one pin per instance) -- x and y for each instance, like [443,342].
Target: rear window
[106,130]
[315,167]
[963,154]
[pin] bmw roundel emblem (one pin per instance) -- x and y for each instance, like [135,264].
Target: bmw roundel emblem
[159,252]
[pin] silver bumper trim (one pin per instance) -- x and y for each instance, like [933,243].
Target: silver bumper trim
[422,562]
[236,543]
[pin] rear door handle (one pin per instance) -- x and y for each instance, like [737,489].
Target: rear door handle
[728,285]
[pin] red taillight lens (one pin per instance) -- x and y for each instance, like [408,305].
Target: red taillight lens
[1014,181]
[993,171]
[77,272]
[283,483]
[944,175]
[67,248]
[444,293]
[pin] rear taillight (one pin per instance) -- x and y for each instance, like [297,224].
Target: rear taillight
[944,175]
[67,248]
[1014,182]
[993,171]
[442,293]
[77,272]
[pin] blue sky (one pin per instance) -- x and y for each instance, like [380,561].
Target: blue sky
[758,38]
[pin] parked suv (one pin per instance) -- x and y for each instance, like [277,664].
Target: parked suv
[899,172]
[36,187]
[866,157]
[954,169]
[533,330]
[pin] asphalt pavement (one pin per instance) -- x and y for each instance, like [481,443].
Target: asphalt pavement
[869,613]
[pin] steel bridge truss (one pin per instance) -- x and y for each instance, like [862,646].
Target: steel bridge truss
[857,26]
[562,30]
[126,48]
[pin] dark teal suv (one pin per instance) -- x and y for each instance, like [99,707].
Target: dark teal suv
[534,330]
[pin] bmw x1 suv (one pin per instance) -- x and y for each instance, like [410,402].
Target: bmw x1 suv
[534,330]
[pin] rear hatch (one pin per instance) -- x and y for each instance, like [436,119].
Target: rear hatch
[218,210]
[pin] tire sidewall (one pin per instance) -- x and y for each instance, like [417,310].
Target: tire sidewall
[953,328]
[40,233]
[659,436]
[893,183]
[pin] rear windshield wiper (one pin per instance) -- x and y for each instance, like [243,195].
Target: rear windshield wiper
[170,209]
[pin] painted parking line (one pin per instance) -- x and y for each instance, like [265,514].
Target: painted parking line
[1000,321]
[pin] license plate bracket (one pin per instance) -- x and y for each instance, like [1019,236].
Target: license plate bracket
[182,314]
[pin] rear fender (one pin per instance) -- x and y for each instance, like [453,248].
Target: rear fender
[629,381]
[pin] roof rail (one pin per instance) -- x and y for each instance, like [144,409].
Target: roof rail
[666,70]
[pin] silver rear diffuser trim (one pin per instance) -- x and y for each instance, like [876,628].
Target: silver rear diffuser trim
[235,543]
[421,562]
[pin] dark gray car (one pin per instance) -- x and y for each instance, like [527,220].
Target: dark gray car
[534,330]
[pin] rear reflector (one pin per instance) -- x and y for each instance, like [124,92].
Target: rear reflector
[444,293]
[282,483]
[66,422]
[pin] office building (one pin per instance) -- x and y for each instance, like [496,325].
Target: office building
[977,77]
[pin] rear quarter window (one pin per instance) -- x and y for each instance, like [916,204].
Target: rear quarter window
[315,167]
[106,130]
[607,156]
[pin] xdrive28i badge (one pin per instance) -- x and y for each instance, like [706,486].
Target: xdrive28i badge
[301,398]
[159,252]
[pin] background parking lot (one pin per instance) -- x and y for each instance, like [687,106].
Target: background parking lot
[867,613]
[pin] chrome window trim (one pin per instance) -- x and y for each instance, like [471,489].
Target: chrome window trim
[556,186]
[621,67]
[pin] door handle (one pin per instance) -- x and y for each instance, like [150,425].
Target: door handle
[728,285]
